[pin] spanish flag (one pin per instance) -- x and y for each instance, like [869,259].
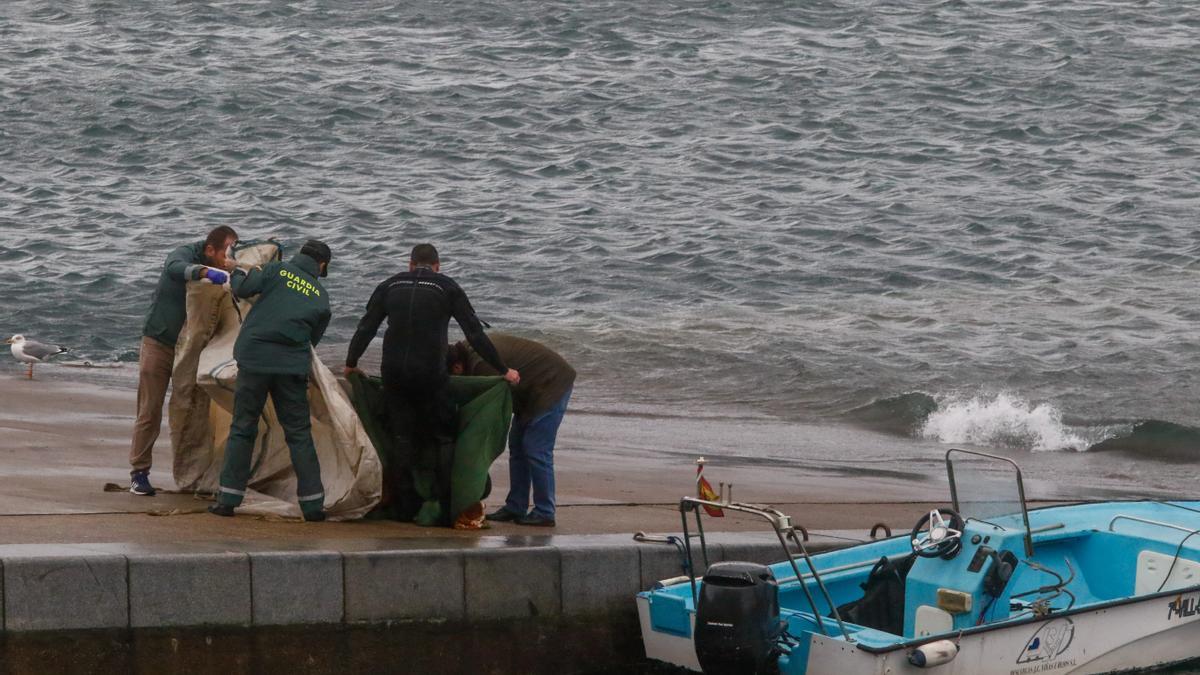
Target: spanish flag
[708,493]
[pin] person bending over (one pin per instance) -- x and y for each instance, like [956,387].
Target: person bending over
[164,321]
[539,403]
[274,356]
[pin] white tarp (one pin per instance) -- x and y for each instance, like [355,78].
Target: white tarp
[201,408]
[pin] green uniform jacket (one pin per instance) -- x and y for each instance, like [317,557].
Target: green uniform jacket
[291,315]
[168,307]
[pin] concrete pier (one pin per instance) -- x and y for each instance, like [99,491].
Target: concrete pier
[95,580]
[551,604]
[71,587]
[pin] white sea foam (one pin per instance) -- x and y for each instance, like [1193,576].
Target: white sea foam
[1001,420]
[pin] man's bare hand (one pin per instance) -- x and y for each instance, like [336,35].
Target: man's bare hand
[351,369]
[513,377]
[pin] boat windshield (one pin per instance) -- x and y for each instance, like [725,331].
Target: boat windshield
[988,488]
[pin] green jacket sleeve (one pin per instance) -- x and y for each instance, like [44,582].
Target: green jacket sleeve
[180,267]
[319,331]
[246,284]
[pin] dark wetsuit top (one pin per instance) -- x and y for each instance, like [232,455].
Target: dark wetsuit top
[418,306]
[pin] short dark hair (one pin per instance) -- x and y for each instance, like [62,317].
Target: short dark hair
[219,236]
[456,352]
[424,254]
[317,250]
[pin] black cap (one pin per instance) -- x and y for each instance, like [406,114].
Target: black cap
[317,250]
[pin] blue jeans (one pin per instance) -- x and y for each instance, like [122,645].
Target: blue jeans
[531,461]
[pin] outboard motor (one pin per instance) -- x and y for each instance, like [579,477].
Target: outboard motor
[737,619]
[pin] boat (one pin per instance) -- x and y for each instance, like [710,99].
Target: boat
[983,586]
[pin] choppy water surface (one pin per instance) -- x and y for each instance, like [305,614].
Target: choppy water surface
[799,209]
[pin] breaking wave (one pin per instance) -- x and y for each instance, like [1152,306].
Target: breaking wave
[1002,420]
[1007,420]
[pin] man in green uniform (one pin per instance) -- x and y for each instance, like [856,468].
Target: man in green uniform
[539,403]
[191,262]
[274,353]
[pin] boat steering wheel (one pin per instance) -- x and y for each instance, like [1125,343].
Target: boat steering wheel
[942,538]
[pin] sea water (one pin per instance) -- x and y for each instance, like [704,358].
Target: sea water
[949,222]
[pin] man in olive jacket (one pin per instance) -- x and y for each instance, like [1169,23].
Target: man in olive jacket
[168,310]
[539,403]
[274,355]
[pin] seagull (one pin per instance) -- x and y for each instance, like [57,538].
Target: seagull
[28,351]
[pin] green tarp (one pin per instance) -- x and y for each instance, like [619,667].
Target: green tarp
[418,491]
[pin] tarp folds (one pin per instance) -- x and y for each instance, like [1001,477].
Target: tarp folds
[434,489]
[201,407]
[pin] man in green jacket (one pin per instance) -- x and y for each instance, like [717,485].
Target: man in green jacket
[539,403]
[274,355]
[192,262]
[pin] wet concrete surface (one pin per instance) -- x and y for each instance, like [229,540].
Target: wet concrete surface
[822,539]
[63,441]
[125,533]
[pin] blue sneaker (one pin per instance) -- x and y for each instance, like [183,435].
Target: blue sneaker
[140,483]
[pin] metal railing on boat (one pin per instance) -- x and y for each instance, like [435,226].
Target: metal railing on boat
[784,530]
[1147,521]
[847,567]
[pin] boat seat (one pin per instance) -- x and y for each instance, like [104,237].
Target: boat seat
[881,606]
[1152,569]
[932,621]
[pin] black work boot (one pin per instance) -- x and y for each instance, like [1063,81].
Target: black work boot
[221,510]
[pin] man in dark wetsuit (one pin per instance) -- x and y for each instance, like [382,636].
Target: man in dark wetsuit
[418,305]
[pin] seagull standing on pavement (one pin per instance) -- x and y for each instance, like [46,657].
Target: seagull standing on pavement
[31,352]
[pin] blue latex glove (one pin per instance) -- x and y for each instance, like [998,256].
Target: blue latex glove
[216,276]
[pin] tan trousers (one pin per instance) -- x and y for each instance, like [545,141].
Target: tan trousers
[154,375]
